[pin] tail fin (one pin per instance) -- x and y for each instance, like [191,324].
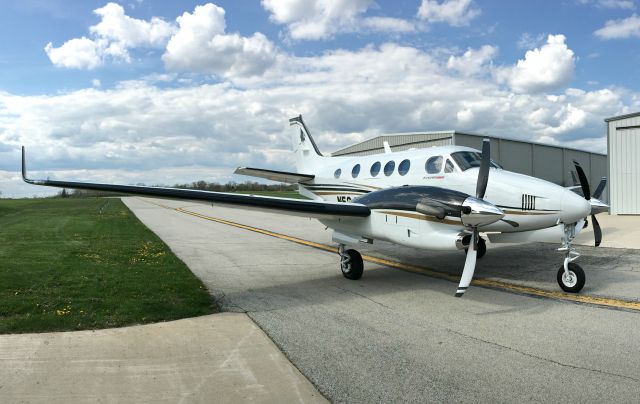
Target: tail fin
[308,156]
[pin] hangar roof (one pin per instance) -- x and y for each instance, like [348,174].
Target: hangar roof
[615,118]
[444,134]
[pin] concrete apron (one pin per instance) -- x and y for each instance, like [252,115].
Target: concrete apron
[216,358]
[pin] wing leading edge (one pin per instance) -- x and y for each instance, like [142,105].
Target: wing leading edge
[297,207]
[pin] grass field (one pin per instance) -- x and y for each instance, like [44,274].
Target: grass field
[72,264]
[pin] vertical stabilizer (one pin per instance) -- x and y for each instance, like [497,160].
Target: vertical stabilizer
[308,156]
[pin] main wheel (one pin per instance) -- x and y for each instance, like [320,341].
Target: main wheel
[572,282]
[482,248]
[351,264]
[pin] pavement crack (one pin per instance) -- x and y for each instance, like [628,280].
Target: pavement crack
[364,296]
[555,362]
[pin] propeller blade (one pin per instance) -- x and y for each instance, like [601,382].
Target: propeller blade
[598,192]
[469,264]
[574,179]
[483,173]
[584,183]
[597,232]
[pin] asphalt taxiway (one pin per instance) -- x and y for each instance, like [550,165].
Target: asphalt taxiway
[398,335]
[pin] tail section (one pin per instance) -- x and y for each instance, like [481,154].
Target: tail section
[308,156]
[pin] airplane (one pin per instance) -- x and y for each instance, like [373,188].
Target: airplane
[437,198]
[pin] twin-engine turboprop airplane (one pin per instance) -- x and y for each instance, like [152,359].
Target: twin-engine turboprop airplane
[439,198]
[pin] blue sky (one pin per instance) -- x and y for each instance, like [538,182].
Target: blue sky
[165,92]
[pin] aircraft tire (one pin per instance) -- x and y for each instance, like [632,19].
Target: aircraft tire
[351,264]
[576,280]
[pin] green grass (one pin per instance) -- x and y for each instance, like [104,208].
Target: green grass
[73,264]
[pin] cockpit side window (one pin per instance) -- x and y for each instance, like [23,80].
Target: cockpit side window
[449,167]
[468,159]
[433,165]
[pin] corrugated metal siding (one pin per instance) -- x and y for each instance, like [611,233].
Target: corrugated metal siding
[397,142]
[548,164]
[624,168]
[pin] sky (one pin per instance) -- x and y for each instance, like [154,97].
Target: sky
[165,92]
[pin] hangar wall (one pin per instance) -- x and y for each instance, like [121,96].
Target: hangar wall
[623,145]
[551,163]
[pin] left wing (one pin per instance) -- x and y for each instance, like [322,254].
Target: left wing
[296,207]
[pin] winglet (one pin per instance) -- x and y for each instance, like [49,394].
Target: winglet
[24,169]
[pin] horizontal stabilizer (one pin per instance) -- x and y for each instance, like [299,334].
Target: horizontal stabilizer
[279,176]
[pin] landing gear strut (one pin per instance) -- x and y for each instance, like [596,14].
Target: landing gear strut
[350,263]
[571,277]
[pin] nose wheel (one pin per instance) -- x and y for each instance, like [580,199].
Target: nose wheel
[351,264]
[572,280]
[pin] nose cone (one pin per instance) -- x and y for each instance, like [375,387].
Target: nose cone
[480,212]
[574,207]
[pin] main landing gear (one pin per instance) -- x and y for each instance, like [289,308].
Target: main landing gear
[571,277]
[350,263]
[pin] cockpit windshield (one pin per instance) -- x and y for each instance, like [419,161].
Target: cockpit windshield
[467,160]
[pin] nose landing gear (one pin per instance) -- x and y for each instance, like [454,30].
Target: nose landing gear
[571,277]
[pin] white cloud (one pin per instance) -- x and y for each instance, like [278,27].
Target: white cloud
[453,12]
[113,37]
[611,4]
[530,41]
[616,29]
[77,53]
[321,19]
[388,24]
[473,61]
[544,68]
[130,32]
[201,45]
[139,132]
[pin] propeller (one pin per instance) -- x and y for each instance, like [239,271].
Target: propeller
[586,191]
[481,213]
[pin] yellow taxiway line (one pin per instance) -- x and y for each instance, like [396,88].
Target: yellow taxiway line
[487,283]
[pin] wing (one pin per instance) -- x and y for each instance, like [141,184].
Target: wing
[297,207]
[280,176]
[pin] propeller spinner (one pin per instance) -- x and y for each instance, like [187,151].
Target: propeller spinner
[597,206]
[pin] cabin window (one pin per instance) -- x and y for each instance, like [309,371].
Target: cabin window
[449,167]
[337,173]
[389,167]
[433,165]
[355,171]
[404,166]
[375,169]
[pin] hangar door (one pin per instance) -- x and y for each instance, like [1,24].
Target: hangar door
[624,167]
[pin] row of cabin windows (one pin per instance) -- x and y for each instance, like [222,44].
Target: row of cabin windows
[432,166]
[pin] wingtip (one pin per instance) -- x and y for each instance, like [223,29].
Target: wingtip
[24,167]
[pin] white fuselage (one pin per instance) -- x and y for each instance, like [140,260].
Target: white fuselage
[528,203]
